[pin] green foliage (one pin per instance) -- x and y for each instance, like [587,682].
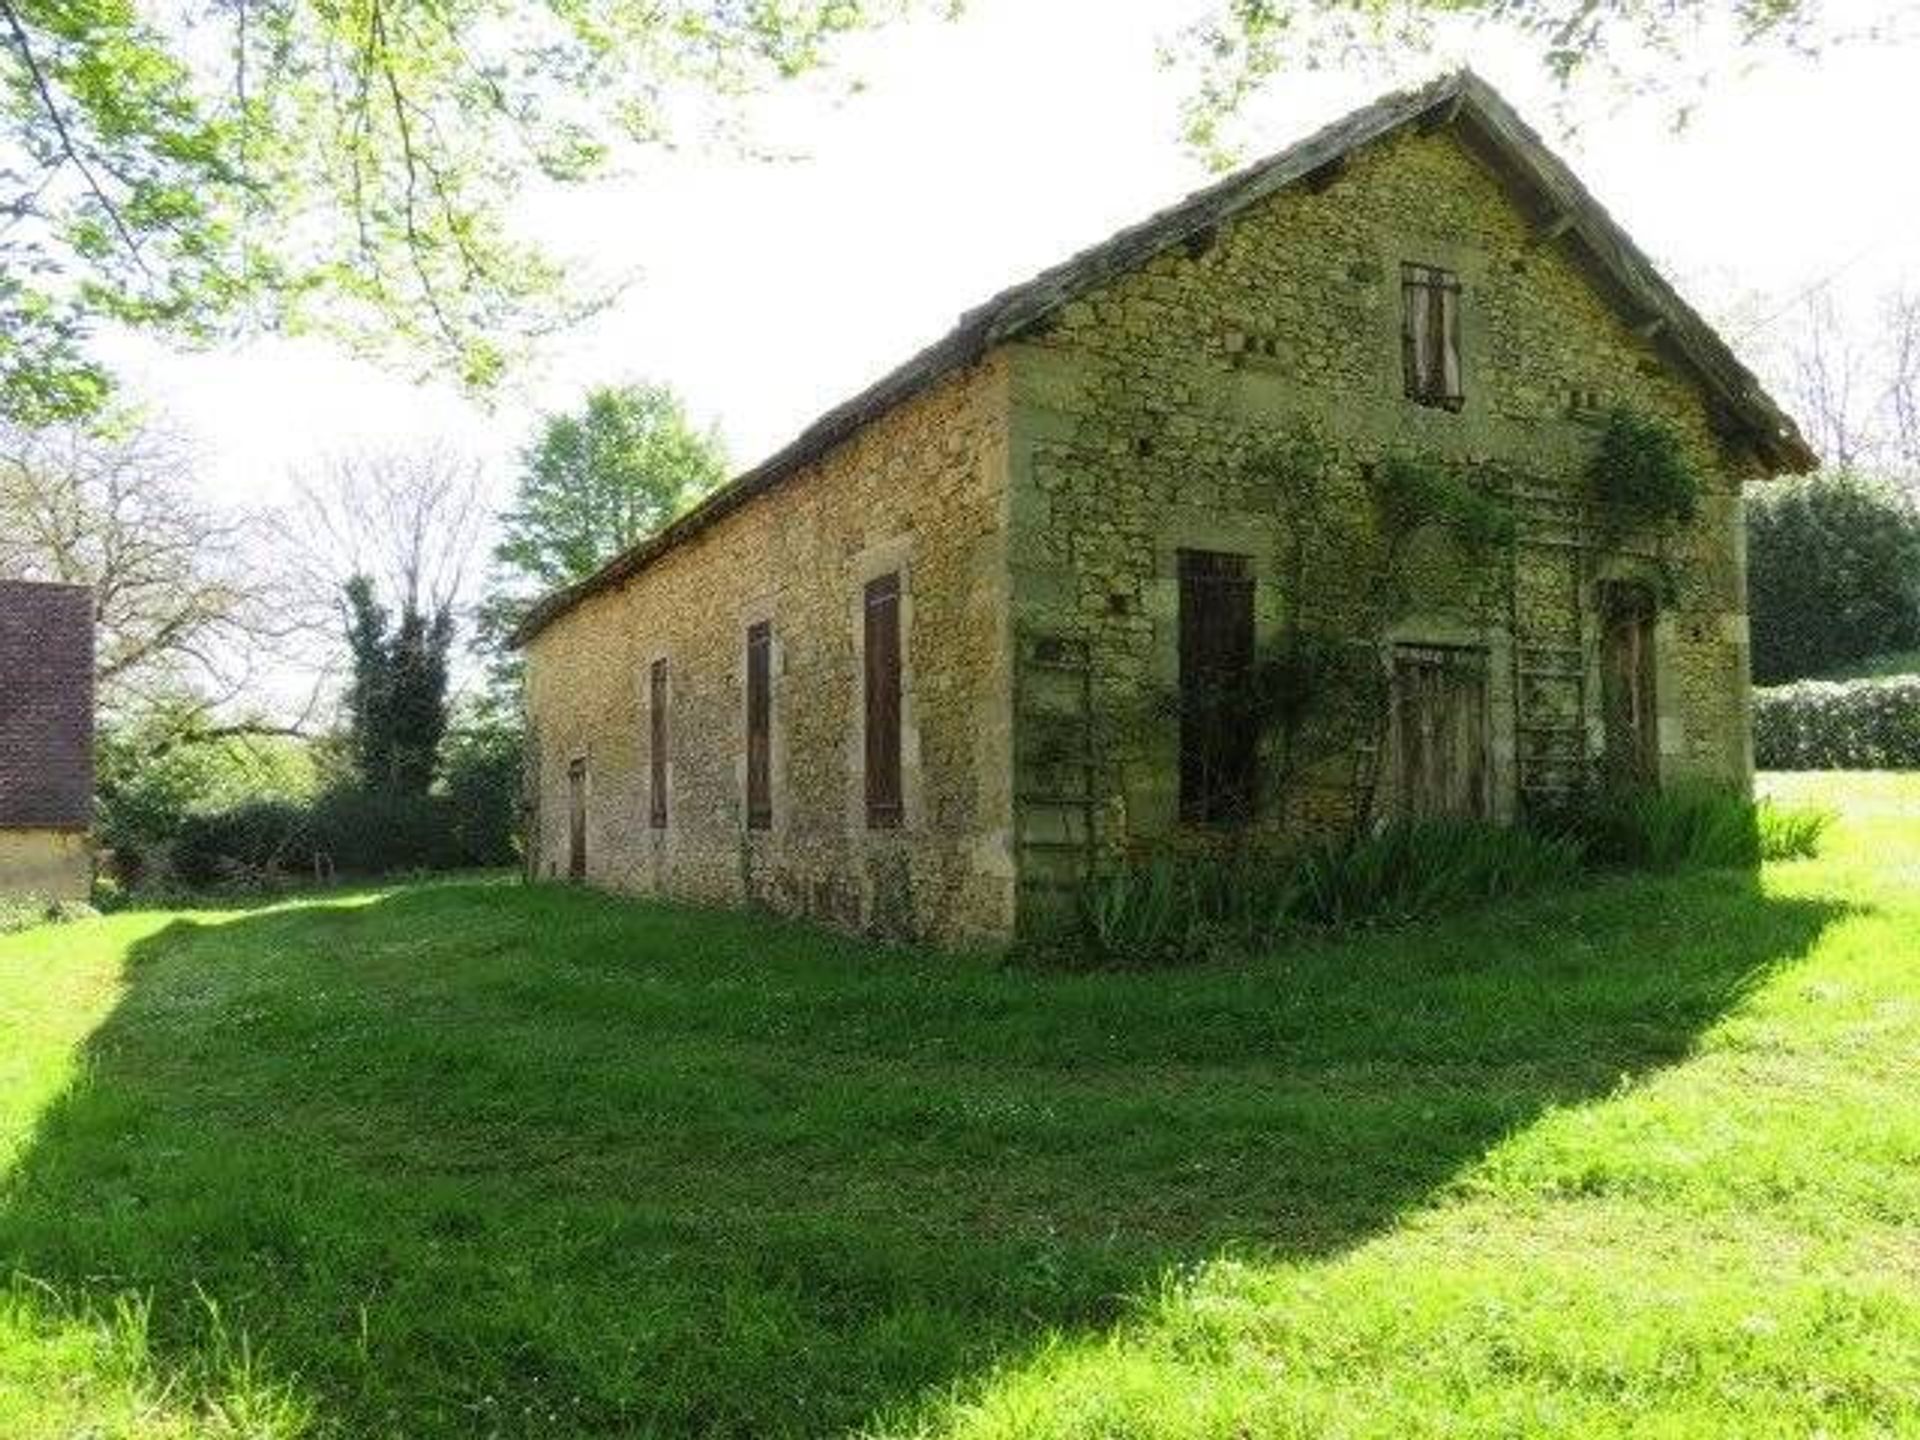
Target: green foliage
[597,480]
[592,483]
[480,778]
[1821,725]
[397,696]
[1415,491]
[1640,475]
[270,843]
[153,771]
[1169,907]
[1236,49]
[1172,907]
[347,167]
[1833,574]
[1682,827]
[26,912]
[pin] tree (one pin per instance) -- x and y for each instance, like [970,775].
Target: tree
[378,548]
[397,698]
[237,166]
[183,612]
[593,482]
[1833,574]
[1240,46]
[409,521]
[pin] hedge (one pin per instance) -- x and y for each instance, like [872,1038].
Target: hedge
[348,832]
[1828,725]
[1833,574]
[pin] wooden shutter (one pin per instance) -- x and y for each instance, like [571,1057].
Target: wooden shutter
[882,633]
[657,745]
[1430,335]
[1217,739]
[1627,698]
[1440,732]
[577,820]
[760,726]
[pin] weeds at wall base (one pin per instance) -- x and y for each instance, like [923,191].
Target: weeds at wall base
[1165,908]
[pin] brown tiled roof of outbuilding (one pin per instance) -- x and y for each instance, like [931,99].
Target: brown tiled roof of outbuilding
[46,706]
[1562,205]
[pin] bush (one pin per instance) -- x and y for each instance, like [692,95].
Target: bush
[481,779]
[24,912]
[155,771]
[1820,725]
[1833,575]
[247,843]
[346,832]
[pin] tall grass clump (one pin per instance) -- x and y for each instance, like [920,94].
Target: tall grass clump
[1169,908]
[1684,827]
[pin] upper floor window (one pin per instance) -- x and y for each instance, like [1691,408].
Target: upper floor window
[1430,335]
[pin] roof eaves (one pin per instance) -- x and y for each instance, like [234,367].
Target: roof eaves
[1020,309]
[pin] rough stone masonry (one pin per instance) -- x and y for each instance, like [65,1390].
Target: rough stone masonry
[1032,481]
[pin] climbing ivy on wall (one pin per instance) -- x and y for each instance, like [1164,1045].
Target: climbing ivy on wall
[1316,691]
[1640,474]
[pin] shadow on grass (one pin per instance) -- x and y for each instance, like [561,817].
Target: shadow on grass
[488,1160]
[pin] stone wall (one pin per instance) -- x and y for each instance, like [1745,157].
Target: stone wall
[1134,417]
[1035,506]
[922,491]
[45,864]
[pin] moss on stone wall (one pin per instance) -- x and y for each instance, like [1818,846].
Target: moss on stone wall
[1139,415]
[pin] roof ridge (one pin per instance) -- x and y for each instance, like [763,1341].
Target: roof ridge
[1018,308]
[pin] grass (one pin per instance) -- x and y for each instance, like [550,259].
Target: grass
[470,1159]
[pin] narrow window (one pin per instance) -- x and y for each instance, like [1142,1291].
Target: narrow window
[1430,335]
[883,702]
[1440,732]
[1217,734]
[657,745]
[760,726]
[577,819]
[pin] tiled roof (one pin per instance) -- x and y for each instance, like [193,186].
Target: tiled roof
[46,706]
[1463,100]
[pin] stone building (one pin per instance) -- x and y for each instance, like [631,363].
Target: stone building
[923,668]
[46,740]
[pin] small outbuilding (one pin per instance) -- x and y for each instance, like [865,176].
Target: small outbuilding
[46,740]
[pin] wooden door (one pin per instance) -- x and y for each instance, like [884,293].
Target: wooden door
[577,820]
[1628,613]
[1440,733]
[1218,744]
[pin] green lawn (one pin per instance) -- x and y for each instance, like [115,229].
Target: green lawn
[475,1159]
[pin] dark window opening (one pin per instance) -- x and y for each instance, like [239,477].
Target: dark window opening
[657,745]
[882,636]
[577,820]
[1218,739]
[1430,335]
[1440,732]
[760,726]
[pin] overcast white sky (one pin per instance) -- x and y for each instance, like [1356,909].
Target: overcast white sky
[987,149]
